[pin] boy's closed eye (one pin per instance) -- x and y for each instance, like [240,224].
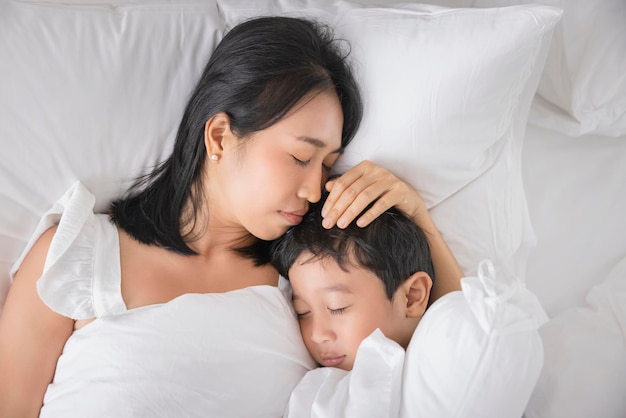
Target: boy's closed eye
[302,314]
[336,311]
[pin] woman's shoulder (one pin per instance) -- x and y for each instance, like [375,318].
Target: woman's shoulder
[80,253]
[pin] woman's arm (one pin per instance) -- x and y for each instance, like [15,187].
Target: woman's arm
[367,182]
[31,338]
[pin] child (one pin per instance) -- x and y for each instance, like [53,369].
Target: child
[360,293]
[346,284]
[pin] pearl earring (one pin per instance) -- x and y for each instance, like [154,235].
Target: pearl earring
[214,157]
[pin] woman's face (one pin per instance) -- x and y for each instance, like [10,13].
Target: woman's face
[265,184]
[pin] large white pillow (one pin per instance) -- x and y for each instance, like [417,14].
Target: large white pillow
[576,95]
[583,87]
[447,94]
[89,92]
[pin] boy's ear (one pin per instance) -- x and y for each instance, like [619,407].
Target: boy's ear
[216,133]
[417,292]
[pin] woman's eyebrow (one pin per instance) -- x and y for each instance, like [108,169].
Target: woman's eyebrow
[318,143]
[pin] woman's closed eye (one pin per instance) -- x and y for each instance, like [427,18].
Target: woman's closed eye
[301,163]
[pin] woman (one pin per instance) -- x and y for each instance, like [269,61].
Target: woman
[169,308]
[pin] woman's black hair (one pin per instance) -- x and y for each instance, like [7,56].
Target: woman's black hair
[258,72]
[392,246]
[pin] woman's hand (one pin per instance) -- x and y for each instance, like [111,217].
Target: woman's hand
[366,183]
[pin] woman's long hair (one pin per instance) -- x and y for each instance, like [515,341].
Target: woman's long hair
[257,73]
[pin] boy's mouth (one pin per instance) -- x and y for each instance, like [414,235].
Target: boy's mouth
[332,360]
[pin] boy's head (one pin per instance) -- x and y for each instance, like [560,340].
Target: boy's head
[348,282]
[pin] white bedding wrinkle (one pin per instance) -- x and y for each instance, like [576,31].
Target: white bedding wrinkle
[183,358]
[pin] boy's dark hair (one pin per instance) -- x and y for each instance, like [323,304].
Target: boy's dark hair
[258,72]
[392,246]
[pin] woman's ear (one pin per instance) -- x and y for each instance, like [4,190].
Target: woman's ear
[417,291]
[216,133]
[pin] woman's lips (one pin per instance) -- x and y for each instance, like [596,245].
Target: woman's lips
[332,361]
[294,218]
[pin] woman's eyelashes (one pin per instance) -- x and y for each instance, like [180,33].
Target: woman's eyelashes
[305,163]
[300,162]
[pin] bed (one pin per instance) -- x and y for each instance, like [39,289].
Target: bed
[520,114]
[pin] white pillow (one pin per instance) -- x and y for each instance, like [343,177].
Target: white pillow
[447,94]
[576,94]
[583,87]
[91,93]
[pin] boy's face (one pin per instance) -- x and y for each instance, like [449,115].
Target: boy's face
[337,310]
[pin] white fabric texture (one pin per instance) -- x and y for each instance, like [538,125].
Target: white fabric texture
[371,389]
[475,353]
[447,93]
[585,356]
[231,354]
[577,198]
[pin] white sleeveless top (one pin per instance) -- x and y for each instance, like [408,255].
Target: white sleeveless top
[235,354]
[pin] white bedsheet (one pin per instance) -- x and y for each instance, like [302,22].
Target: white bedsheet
[576,191]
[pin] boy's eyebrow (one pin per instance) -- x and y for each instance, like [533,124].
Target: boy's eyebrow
[338,288]
[329,289]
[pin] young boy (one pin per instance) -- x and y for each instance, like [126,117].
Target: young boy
[346,284]
[360,293]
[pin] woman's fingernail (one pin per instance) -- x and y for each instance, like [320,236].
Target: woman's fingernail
[326,223]
[324,212]
[341,223]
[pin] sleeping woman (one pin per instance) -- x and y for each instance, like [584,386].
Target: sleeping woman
[167,305]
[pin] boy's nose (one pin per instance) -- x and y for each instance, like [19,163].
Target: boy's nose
[321,332]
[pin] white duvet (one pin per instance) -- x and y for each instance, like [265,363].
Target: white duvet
[475,353]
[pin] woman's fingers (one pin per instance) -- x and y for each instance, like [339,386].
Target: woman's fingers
[365,183]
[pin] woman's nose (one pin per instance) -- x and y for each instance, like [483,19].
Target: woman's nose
[311,186]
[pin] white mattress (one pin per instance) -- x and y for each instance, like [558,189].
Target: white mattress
[576,191]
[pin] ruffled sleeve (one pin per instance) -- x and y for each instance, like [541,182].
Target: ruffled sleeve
[81,274]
